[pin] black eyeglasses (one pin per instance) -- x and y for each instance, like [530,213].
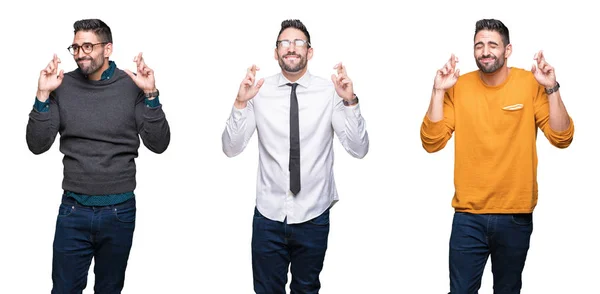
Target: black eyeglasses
[86,47]
[288,43]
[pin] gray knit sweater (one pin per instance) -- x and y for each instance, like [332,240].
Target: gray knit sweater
[100,125]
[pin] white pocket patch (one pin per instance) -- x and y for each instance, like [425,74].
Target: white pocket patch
[513,107]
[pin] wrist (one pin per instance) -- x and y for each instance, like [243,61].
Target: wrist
[240,104]
[438,90]
[438,94]
[42,96]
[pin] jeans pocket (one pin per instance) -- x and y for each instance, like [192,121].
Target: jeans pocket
[522,219]
[125,214]
[65,210]
[321,220]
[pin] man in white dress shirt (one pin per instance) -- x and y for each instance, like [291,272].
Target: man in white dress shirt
[295,115]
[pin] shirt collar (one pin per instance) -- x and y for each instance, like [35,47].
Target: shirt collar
[109,72]
[304,81]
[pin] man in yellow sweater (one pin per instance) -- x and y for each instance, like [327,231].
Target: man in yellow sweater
[495,113]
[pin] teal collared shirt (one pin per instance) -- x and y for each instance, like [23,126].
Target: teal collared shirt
[97,200]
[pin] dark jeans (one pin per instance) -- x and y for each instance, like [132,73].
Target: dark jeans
[276,245]
[104,233]
[504,237]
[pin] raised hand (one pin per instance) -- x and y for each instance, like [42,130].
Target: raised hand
[447,76]
[342,83]
[144,78]
[543,72]
[248,89]
[49,79]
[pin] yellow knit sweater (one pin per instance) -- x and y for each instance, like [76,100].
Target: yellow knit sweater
[495,131]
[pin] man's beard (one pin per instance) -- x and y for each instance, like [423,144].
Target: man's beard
[493,67]
[298,67]
[93,65]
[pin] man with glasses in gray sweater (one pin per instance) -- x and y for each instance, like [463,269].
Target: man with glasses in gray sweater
[100,112]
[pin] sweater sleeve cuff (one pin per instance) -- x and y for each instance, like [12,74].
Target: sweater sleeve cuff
[564,133]
[41,106]
[433,129]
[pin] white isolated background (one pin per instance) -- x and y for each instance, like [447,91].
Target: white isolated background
[390,230]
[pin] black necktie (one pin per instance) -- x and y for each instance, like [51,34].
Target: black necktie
[294,142]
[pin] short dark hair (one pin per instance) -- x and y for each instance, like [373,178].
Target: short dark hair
[95,25]
[296,24]
[493,25]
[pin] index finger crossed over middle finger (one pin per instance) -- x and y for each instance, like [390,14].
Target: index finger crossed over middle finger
[249,78]
[138,58]
[141,63]
[252,70]
[55,62]
[50,67]
[453,61]
[341,69]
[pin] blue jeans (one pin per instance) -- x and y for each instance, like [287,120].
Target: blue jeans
[504,237]
[104,233]
[276,245]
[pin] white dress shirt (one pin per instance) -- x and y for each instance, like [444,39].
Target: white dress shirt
[321,113]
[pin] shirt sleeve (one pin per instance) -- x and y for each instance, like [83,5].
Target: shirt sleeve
[152,103]
[239,128]
[43,124]
[435,135]
[560,139]
[152,123]
[41,106]
[350,127]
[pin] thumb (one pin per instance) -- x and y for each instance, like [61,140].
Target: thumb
[533,68]
[259,83]
[333,79]
[130,74]
[457,73]
[61,75]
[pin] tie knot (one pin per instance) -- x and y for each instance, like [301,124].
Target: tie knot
[293,85]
